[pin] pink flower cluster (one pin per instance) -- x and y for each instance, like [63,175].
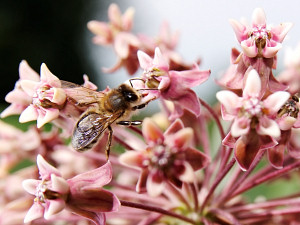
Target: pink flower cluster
[181,165]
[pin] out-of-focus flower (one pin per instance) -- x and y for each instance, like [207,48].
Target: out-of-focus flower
[260,39]
[168,157]
[172,85]
[253,125]
[82,194]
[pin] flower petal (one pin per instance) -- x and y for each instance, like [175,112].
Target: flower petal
[155,184]
[30,185]
[27,73]
[258,17]
[276,156]
[144,60]
[188,174]
[54,207]
[253,84]
[29,86]
[151,131]
[240,127]
[50,114]
[229,100]
[268,127]
[45,169]
[59,184]
[29,114]
[181,139]
[48,77]
[36,211]
[132,159]
[275,101]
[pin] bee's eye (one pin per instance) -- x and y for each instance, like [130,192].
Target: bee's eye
[131,97]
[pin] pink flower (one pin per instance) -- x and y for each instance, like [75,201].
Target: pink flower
[260,39]
[47,98]
[168,157]
[253,119]
[82,194]
[172,85]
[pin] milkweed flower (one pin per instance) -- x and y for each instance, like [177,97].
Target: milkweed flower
[172,85]
[254,126]
[82,194]
[168,157]
[260,39]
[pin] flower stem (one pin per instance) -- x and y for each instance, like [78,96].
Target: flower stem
[156,209]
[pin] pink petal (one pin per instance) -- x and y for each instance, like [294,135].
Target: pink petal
[27,73]
[99,28]
[45,169]
[253,84]
[249,48]
[176,126]
[122,44]
[229,100]
[30,185]
[151,131]
[48,77]
[275,101]
[268,127]
[159,60]
[55,206]
[188,174]
[50,114]
[36,211]
[127,19]
[196,158]
[115,15]
[132,159]
[258,17]
[286,123]
[269,52]
[189,78]
[181,139]
[229,141]
[246,151]
[18,96]
[279,32]
[276,156]
[59,96]
[154,186]
[144,60]
[239,29]
[13,109]
[29,87]
[29,114]
[240,127]
[94,178]
[59,184]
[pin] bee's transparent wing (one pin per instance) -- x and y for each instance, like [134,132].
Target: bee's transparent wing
[89,129]
[81,95]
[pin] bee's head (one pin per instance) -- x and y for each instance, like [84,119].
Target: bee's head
[128,93]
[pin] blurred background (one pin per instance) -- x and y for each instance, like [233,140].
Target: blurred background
[55,32]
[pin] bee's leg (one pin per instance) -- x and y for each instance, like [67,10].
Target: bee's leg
[142,105]
[130,123]
[109,139]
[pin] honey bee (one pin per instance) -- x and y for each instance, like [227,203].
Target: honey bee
[104,109]
[290,107]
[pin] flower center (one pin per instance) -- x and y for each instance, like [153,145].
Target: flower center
[43,192]
[159,157]
[260,32]
[253,107]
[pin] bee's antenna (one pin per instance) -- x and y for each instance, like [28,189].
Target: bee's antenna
[141,89]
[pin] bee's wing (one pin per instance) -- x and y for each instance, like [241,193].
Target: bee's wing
[89,129]
[81,95]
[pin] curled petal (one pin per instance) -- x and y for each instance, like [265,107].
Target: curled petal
[286,123]
[275,101]
[249,48]
[54,207]
[36,211]
[268,127]
[176,126]
[240,127]
[271,51]
[59,184]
